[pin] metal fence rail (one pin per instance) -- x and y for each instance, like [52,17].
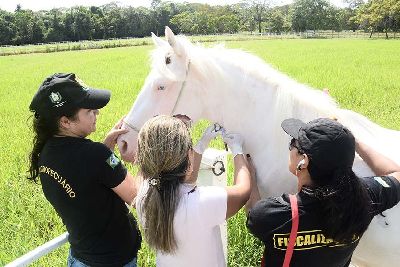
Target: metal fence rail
[40,251]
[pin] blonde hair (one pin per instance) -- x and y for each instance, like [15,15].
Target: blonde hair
[162,156]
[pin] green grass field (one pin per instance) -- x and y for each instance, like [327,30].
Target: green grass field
[363,75]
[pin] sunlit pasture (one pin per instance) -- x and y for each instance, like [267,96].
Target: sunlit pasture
[362,75]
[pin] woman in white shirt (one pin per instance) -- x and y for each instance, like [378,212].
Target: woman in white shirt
[181,220]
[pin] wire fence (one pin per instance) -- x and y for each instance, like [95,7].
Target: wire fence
[125,42]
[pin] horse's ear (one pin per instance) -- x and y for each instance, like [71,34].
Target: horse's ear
[158,41]
[170,36]
[172,41]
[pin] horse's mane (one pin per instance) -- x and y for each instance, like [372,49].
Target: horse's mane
[293,99]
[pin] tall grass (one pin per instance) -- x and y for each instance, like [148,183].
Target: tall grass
[363,75]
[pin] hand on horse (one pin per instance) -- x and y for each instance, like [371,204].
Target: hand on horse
[210,133]
[111,139]
[250,166]
[234,142]
[255,194]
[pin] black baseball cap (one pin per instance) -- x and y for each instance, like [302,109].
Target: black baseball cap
[61,93]
[328,143]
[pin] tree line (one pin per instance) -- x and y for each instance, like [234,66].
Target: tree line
[24,26]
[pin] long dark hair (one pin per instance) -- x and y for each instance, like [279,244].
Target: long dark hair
[44,127]
[345,206]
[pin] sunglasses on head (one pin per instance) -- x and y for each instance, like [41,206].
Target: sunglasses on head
[185,119]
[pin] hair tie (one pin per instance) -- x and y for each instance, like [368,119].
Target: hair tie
[155,182]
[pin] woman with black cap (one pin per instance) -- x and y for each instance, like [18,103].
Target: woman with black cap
[84,181]
[322,224]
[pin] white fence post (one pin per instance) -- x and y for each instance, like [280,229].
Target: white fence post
[213,171]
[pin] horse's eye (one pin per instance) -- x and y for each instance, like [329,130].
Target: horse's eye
[161,87]
[168,60]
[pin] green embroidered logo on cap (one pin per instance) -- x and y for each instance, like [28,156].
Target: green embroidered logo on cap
[55,97]
[113,161]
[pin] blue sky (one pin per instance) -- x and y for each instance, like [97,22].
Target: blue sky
[49,4]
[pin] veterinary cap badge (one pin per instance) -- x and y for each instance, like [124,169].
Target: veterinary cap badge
[55,97]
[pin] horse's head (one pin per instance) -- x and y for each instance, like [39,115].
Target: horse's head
[167,90]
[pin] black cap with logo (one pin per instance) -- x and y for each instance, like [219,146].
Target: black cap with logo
[328,143]
[64,92]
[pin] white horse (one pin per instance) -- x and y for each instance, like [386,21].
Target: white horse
[245,95]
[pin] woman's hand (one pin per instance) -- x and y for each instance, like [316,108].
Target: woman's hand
[379,163]
[111,139]
[234,142]
[251,166]
[210,133]
[255,194]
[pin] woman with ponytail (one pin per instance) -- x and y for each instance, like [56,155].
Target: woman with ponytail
[335,207]
[180,220]
[83,180]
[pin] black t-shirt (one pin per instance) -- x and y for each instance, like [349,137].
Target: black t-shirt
[77,176]
[270,220]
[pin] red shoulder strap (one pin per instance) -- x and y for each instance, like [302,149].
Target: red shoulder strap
[293,232]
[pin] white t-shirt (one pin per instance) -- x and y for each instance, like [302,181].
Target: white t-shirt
[196,228]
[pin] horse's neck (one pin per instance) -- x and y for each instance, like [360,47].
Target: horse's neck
[253,100]
[257,95]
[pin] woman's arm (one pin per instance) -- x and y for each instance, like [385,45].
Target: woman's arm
[255,194]
[196,165]
[239,192]
[198,150]
[127,190]
[379,164]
